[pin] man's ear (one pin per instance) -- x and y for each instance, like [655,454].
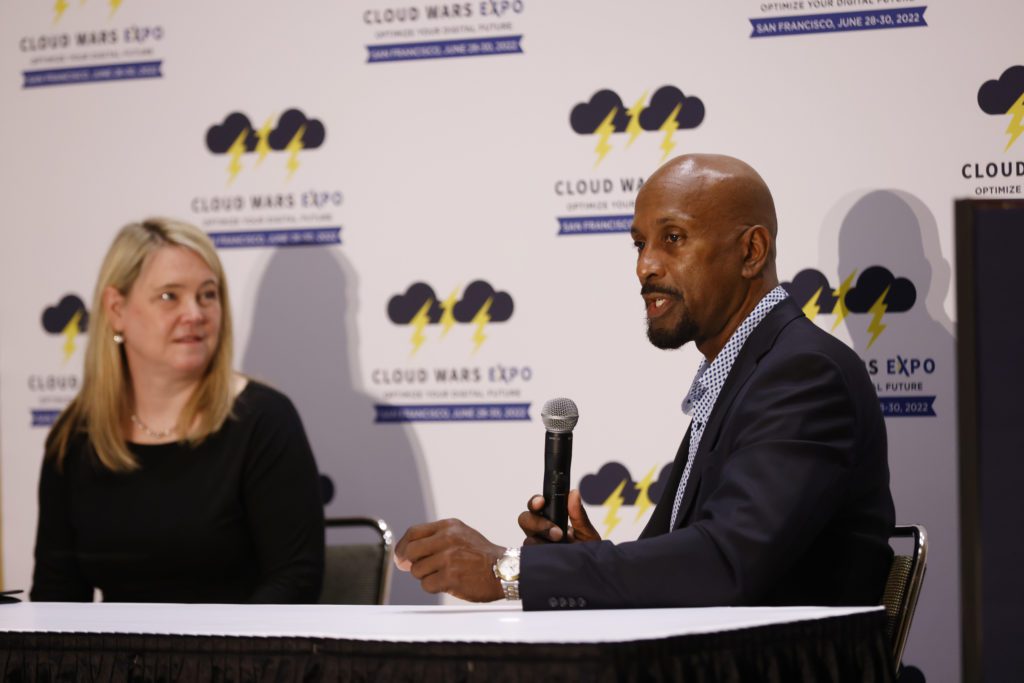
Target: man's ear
[757,250]
[113,304]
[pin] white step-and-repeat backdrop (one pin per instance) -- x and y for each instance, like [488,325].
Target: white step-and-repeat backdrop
[422,206]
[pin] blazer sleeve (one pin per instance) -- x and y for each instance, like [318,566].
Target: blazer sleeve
[781,474]
[281,492]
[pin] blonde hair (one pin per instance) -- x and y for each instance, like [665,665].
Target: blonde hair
[104,403]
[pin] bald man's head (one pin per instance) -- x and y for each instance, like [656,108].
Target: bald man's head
[705,230]
[739,190]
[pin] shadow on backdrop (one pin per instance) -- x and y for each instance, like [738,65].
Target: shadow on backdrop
[304,341]
[895,231]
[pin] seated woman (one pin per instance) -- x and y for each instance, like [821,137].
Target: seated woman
[171,478]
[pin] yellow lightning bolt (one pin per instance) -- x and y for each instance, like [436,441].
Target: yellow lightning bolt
[295,146]
[448,317]
[114,4]
[70,332]
[613,503]
[59,8]
[811,308]
[263,140]
[1014,129]
[670,126]
[418,322]
[604,131]
[841,310]
[633,127]
[643,501]
[481,318]
[877,311]
[236,150]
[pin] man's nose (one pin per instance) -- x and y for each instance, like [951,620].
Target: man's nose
[649,265]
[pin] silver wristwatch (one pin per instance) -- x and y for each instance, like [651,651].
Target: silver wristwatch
[506,569]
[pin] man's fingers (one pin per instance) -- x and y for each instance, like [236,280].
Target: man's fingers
[535,526]
[583,530]
[415,533]
[535,504]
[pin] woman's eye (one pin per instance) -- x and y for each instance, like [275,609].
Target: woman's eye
[209,296]
[167,296]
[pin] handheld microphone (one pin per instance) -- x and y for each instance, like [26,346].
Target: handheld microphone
[559,416]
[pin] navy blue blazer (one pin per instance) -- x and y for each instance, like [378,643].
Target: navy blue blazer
[788,500]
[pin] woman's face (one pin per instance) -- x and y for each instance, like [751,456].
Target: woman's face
[171,317]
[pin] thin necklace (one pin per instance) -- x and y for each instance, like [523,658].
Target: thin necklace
[150,432]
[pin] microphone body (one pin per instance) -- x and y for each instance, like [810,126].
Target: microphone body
[560,416]
[557,461]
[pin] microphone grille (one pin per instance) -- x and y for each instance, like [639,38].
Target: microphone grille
[559,415]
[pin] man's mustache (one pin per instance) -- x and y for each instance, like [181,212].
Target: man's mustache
[655,289]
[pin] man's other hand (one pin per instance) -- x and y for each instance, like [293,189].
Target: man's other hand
[540,529]
[449,557]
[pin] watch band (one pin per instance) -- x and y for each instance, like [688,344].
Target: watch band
[509,586]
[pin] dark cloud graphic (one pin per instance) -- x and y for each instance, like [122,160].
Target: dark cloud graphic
[587,116]
[595,488]
[998,95]
[870,285]
[402,307]
[690,115]
[806,283]
[56,318]
[220,137]
[288,125]
[474,297]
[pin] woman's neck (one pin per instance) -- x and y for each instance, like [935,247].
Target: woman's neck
[158,402]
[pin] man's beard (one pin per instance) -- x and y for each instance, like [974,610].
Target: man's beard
[672,338]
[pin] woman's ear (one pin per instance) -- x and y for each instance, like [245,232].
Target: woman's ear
[113,304]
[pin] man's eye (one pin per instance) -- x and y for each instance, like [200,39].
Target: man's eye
[638,245]
[672,237]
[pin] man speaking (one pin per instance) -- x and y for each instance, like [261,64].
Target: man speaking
[779,494]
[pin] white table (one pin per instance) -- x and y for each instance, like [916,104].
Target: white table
[470,642]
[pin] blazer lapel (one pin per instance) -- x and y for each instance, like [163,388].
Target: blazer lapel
[757,345]
[658,523]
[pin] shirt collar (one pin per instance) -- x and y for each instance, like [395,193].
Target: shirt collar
[710,377]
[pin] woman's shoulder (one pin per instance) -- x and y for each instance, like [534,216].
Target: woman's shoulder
[258,401]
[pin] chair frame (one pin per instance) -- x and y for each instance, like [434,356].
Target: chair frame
[386,541]
[908,605]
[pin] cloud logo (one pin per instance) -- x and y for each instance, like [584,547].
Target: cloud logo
[808,283]
[1005,95]
[68,318]
[402,307]
[56,318]
[236,136]
[612,487]
[996,96]
[221,136]
[873,283]
[474,298]
[689,111]
[420,306]
[288,127]
[587,116]
[605,115]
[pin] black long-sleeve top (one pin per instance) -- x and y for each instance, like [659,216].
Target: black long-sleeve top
[236,519]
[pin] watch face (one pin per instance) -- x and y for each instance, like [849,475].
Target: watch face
[508,568]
